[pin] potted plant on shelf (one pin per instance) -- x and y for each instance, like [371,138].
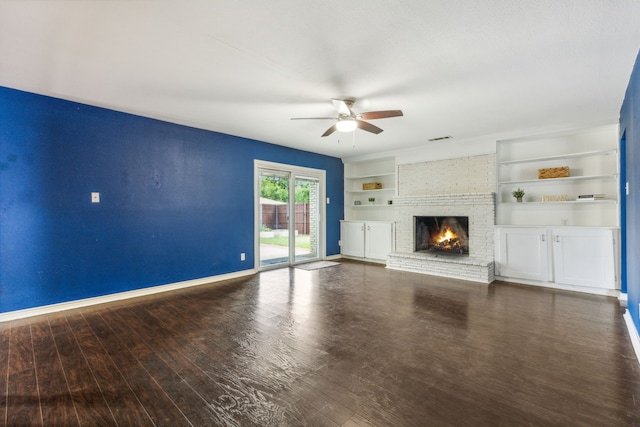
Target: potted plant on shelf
[372,200]
[518,194]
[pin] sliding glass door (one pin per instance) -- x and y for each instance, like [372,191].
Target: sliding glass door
[306,218]
[289,214]
[274,217]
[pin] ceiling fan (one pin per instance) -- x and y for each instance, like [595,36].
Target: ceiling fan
[348,121]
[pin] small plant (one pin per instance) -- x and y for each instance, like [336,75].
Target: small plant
[518,194]
[372,199]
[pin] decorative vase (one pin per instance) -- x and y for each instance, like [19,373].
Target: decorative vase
[519,199]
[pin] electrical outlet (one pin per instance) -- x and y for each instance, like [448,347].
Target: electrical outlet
[328,201]
[242,256]
[339,242]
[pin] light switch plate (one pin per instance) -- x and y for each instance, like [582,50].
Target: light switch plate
[95,197]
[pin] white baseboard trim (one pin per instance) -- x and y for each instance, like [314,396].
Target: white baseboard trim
[333,257]
[633,333]
[54,308]
[552,285]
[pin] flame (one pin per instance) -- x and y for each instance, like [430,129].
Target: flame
[447,235]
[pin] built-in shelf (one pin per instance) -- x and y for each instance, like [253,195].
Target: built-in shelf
[591,156]
[552,239]
[380,190]
[379,205]
[370,175]
[382,171]
[567,202]
[560,157]
[556,181]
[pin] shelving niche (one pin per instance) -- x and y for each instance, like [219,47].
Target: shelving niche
[358,173]
[592,157]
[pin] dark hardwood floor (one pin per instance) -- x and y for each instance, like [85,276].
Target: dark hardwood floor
[350,345]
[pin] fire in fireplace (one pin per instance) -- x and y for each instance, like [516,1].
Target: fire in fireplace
[442,234]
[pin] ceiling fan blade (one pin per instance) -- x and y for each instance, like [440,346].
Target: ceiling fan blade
[331,130]
[313,118]
[342,106]
[368,127]
[371,115]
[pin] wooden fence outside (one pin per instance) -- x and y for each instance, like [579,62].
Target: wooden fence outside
[276,217]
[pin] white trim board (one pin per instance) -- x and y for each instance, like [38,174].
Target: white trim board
[633,333]
[551,285]
[54,308]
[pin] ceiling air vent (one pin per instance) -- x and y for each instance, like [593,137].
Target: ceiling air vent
[440,138]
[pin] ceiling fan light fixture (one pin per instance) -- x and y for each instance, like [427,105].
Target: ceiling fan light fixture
[348,121]
[346,125]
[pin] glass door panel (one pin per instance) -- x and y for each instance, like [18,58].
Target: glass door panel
[274,218]
[306,219]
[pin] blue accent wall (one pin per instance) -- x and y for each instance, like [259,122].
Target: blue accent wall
[176,202]
[630,129]
[623,214]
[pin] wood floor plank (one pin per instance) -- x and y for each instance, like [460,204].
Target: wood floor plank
[88,399]
[5,334]
[157,403]
[23,399]
[183,382]
[122,402]
[234,399]
[55,397]
[352,345]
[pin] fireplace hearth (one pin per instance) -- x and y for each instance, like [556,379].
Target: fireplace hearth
[448,235]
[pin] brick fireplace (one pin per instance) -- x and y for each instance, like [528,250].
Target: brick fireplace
[478,207]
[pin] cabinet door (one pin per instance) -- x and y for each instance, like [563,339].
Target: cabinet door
[378,240]
[352,238]
[523,253]
[584,257]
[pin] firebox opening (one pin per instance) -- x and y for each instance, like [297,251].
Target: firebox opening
[442,234]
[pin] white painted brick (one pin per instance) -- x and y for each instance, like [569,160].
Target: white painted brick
[455,187]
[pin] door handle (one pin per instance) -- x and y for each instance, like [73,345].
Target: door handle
[542,238]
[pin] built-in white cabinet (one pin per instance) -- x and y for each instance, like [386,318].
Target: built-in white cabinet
[352,238]
[368,229]
[378,240]
[582,258]
[558,237]
[371,240]
[523,253]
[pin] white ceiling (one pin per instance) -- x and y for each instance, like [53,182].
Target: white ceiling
[464,68]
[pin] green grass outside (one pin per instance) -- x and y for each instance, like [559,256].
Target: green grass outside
[302,241]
